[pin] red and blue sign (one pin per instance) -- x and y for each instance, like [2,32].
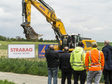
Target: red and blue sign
[41,50]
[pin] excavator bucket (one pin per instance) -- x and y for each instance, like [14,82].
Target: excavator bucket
[30,33]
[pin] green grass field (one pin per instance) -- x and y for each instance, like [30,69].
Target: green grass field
[5,82]
[4,46]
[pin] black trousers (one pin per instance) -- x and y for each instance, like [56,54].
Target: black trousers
[66,74]
[107,76]
[81,75]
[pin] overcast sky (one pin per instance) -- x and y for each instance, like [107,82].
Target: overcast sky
[90,18]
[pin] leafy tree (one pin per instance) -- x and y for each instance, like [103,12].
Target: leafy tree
[2,38]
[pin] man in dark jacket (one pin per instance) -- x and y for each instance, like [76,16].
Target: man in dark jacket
[52,58]
[107,50]
[65,66]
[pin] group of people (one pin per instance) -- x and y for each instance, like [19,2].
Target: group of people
[84,65]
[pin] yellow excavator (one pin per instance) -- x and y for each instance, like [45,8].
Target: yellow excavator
[57,25]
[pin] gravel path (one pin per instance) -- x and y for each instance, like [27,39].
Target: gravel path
[24,78]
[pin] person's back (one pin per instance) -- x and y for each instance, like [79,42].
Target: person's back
[78,59]
[65,61]
[52,58]
[65,66]
[107,72]
[96,60]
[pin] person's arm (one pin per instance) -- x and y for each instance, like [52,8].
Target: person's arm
[45,53]
[55,55]
[105,52]
[87,61]
[102,60]
[60,61]
[71,58]
[83,58]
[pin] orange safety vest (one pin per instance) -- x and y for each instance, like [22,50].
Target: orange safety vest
[94,60]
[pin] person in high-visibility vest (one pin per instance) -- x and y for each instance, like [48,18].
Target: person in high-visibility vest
[77,61]
[94,62]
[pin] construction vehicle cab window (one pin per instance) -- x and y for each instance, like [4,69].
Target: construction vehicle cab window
[61,35]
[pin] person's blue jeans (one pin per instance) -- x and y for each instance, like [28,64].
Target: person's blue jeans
[52,73]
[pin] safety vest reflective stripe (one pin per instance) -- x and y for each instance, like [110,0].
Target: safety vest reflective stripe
[91,62]
[94,66]
[76,62]
[77,65]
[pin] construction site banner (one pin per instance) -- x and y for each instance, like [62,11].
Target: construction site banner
[21,50]
[41,50]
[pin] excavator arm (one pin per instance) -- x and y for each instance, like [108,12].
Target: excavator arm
[57,25]
[48,12]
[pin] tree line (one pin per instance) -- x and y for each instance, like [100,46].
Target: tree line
[18,38]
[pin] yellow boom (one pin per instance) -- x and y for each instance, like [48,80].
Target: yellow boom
[47,11]
[57,25]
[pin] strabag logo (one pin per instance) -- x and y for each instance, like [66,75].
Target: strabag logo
[21,51]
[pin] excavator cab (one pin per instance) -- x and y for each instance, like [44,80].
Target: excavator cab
[70,40]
